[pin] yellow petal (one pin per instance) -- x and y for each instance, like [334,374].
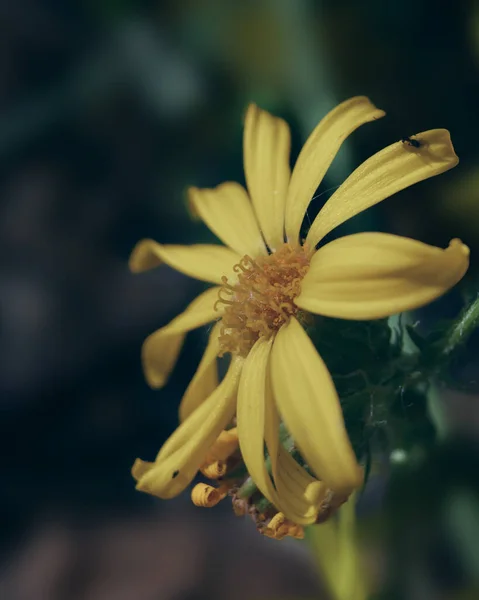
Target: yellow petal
[206,262]
[309,405]
[228,212]
[375,275]
[299,493]
[139,468]
[184,452]
[161,349]
[257,418]
[318,153]
[250,417]
[205,380]
[266,147]
[396,167]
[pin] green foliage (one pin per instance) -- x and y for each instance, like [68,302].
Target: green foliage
[383,389]
[364,358]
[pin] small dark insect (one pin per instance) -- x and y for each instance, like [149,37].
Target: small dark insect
[411,142]
[175,474]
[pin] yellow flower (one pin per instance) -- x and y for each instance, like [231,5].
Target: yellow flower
[267,281]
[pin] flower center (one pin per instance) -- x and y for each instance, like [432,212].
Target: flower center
[262,300]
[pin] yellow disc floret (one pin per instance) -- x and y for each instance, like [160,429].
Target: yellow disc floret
[262,299]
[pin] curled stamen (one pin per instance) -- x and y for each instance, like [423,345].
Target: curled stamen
[240,267]
[276,522]
[227,286]
[215,470]
[224,300]
[207,496]
[247,260]
[280,527]
[262,299]
[220,301]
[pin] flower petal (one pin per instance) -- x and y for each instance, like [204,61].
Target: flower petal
[266,148]
[299,493]
[161,349]
[310,408]
[375,275]
[396,167]
[318,153]
[206,262]
[228,212]
[205,380]
[184,452]
[257,418]
[250,417]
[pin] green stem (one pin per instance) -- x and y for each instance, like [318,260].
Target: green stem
[460,331]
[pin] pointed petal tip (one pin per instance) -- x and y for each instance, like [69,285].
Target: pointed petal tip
[437,144]
[358,101]
[155,376]
[378,113]
[451,148]
[155,382]
[141,258]
[444,136]
[150,483]
[139,468]
[142,483]
[457,244]
[251,107]
[191,194]
[461,253]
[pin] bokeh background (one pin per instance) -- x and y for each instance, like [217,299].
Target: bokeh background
[109,109]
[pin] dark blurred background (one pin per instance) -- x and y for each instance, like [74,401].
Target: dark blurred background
[109,109]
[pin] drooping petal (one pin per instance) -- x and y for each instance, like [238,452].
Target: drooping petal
[310,408]
[161,349]
[250,417]
[184,452]
[393,169]
[375,275]
[205,380]
[296,491]
[299,493]
[206,262]
[318,153]
[228,212]
[266,148]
